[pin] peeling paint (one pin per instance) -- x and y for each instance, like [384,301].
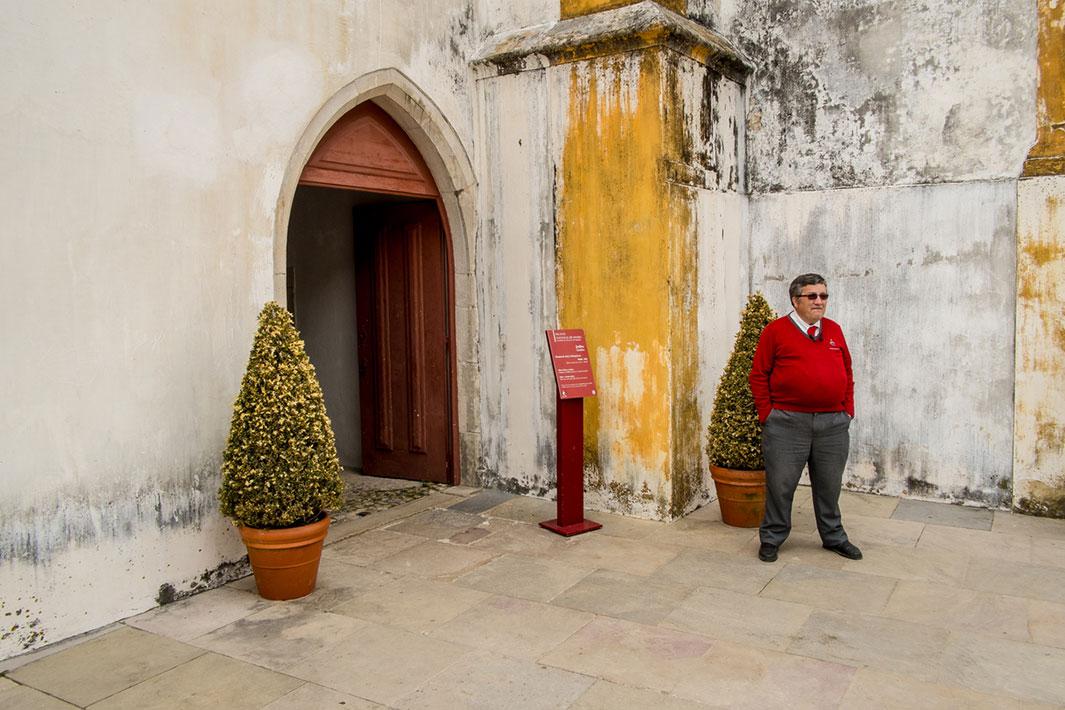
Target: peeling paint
[867,94]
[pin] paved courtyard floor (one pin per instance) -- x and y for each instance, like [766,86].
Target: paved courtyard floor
[459,600]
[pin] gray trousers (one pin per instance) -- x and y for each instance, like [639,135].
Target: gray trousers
[790,441]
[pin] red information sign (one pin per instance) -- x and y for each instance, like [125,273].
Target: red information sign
[573,367]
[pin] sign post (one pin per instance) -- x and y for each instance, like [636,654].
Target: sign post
[574,380]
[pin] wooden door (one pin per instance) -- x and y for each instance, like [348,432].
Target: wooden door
[402,309]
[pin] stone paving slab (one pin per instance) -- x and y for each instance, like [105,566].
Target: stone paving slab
[872,690]
[1016,578]
[523,577]
[1021,670]
[742,677]
[279,635]
[481,501]
[705,534]
[630,654]
[713,568]
[867,504]
[927,564]
[958,516]
[1046,623]
[831,589]
[623,596]
[208,681]
[525,509]
[615,553]
[371,546]
[514,627]
[885,531]
[527,539]
[490,680]
[642,614]
[437,523]
[741,618]
[379,663]
[605,695]
[903,647]
[315,697]
[339,582]
[976,543]
[953,608]
[200,614]
[20,697]
[1050,552]
[412,604]
[434,559]
[1017,524]
[103,666]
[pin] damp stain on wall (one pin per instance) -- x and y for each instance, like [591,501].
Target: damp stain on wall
[73,518]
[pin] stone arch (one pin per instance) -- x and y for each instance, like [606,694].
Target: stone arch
[452,171]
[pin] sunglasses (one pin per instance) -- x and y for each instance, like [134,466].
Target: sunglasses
[813,296]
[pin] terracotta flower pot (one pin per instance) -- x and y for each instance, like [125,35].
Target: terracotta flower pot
[285,561]
[741,495]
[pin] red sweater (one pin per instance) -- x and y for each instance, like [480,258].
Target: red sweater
[792,372]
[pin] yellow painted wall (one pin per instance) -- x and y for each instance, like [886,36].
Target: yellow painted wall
[576,8]
[1047,156]
[627,276]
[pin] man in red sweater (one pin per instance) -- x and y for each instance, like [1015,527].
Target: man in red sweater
[803,389]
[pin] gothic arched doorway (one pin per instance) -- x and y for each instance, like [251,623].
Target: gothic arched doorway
[371,284]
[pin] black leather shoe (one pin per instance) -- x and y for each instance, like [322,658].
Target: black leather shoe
[845,549]
[768,553]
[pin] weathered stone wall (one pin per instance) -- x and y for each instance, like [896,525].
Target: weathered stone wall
[885,139]
[146,149]
[1039,446]
[612,204]
[886,93]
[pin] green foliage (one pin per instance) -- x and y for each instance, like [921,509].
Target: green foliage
[280,467]
[734,437]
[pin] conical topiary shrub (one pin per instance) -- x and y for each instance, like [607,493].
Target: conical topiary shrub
[280,467]
[734,437]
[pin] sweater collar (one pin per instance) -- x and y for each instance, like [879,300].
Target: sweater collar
[803,325]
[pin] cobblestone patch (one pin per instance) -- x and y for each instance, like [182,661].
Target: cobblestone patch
[367,494]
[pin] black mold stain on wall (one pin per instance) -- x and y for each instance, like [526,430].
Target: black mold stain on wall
[89,516]
[209,579]
[21,621]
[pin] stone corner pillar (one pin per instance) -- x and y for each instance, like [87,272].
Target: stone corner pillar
[645,115]
[1039,399]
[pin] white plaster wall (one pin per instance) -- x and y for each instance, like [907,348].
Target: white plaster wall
[721,219]
[516,289]
[145,146]
[922,282]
